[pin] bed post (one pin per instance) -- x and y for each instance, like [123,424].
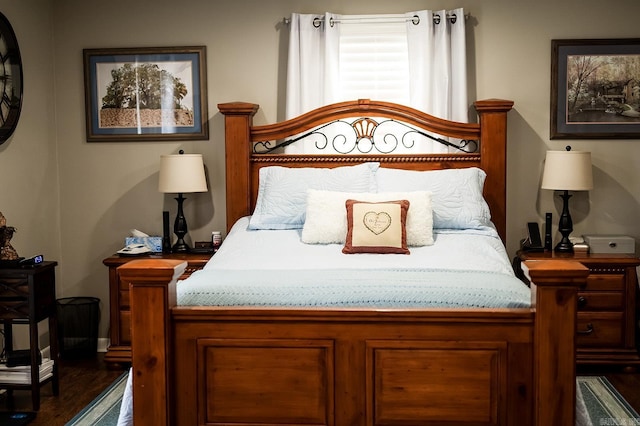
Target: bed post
[554,292]
[493,141]
[238,119]
[152,294]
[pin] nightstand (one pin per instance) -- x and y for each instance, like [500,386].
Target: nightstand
[119,350]
[607,329]
[28,296]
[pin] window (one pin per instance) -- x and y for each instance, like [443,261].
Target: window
[422,64]
[374,61]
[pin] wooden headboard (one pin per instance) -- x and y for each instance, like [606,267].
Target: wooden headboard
[243,164]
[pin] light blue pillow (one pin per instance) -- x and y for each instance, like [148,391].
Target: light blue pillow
[457,200]
[282,191]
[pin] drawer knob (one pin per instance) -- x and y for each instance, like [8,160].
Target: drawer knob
[588,331]
[582,302]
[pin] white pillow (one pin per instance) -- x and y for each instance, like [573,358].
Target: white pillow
[456,194]
[282,191]
[326,219]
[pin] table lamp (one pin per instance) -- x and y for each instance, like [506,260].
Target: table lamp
[567,171]
[182,173]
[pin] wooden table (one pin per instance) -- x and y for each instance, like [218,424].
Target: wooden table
[28,295]
[607,308]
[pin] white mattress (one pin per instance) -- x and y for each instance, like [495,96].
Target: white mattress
[270,268]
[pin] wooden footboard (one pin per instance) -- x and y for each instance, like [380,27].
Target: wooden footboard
[203,365]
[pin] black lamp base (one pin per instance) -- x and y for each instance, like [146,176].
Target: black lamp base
[180,247]
[180,228]
[564,246]
[565,226]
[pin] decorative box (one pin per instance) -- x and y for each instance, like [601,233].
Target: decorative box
[610,243]
[154,243]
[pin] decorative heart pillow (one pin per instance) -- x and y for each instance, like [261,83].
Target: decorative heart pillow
[376,227]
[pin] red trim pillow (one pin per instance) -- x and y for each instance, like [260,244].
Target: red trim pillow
[376,227]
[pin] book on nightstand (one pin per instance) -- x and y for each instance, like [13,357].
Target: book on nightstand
[22,374]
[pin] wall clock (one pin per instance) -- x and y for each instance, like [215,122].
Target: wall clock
[10,80]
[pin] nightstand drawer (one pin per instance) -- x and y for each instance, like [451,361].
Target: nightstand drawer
[605,282]
[123,304]
[125,328]
[600,329]
[119,350]
[607,327]
[600,301]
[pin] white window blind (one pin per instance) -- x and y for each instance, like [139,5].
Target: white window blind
[374,61]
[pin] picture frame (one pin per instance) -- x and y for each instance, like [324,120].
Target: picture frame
[146,94]
[595,89]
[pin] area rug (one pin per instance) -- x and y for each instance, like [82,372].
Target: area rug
[105,408]
[605,405]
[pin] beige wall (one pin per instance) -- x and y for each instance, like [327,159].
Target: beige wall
[29,194]
[75,201]
[29,187]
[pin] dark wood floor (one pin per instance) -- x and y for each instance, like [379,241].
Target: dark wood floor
[82,380]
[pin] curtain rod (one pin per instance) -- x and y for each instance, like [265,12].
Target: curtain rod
[384,19]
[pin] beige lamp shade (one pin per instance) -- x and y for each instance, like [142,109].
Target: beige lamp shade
[182,173]
[567,171]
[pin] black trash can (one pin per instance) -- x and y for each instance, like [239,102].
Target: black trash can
[78,321]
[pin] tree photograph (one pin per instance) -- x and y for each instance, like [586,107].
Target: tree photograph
[145,94]
[603,88]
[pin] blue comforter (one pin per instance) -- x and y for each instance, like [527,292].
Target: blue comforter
[377,288]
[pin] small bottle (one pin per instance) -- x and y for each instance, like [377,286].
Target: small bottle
[216,240]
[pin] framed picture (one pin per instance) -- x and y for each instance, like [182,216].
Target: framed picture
[595,89]
[146,94]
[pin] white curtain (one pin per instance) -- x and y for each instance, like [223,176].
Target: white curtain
[436,62]
[312,68]
[438,68]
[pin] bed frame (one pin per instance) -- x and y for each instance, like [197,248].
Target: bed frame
[278,366]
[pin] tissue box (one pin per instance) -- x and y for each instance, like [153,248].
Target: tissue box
[610,243]
[154,243]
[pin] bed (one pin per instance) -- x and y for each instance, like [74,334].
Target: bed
[358,354]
